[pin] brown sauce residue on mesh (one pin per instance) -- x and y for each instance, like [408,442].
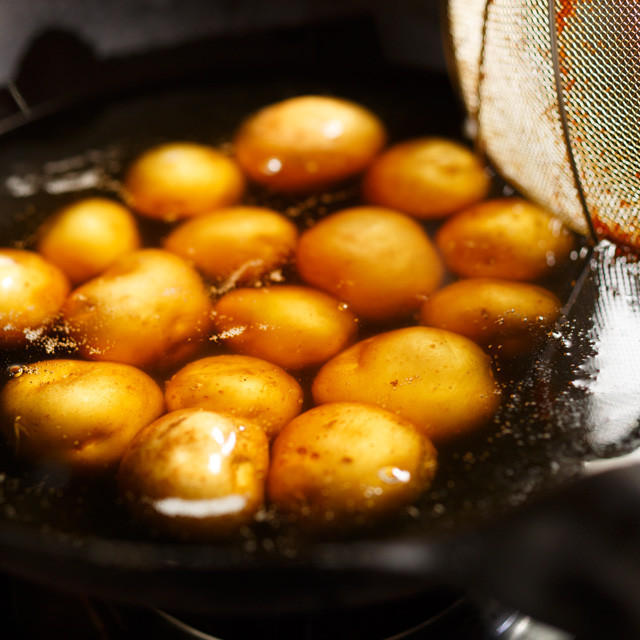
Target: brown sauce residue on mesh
[567,11]
[627,239]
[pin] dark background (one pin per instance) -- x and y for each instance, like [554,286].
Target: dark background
[408,29]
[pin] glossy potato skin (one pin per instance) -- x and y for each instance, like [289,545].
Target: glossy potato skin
[237,244]
[195,473]
[380,262]
[293,327]
[507,238]
[344,463]
[149,309]
[426,178]
[76,413]
[180,180]
[241,386]
[308,142]
[85,238]
[32,292]
[507,317]
[438,380]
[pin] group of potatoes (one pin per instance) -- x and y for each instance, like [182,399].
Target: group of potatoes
[197,458]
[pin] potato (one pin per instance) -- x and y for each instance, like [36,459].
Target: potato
[506,317]
[293,327]
[440,381]
[378,261]
[506,238]
[426,177]
[241,386]
[180,180]
[342,463]
[76,413]
[149,309]
[86,237]
[238,244]
[31,293]
[308,142]
[196,473]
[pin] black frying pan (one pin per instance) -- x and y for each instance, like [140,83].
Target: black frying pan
[470,530]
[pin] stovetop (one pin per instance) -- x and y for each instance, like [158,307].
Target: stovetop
[32,612]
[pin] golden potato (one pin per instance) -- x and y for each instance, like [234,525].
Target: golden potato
[86,237]
[238,244]
[506,238]
[308,142]
[241,386]
[149,309]
[180,180]
[31,293]
[293,327]
[440,381]
[76,413]
[196,473]
[347,462]
[506,317]
[427,178]
[378,261]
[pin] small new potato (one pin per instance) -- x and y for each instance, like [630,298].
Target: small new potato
[196,473]
[149,309]
[237,244]
[293,327]
[427,178]
[241,386]
[86,237]
[308,142]
[181,180]
[506,317]
[32,291]
[341,464]
[438,380]
[380,262]
[76,413]
[507,238]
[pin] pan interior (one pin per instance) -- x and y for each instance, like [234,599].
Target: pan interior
[84,151]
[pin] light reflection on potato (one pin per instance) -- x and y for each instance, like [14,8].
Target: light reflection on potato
[440,381]
[293,327]
[427,178]
[195,473]
[507,238]
[86,237]
[507,317]
[378,261]
[181,180]
[308,142]
[344,463]
[239,244]
[241,386]
[149,309]
[76,413]
[32,291]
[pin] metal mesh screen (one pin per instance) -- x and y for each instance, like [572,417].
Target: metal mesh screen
[554,89]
